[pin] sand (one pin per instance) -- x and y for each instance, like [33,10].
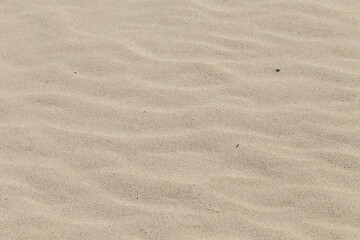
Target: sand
[192,119]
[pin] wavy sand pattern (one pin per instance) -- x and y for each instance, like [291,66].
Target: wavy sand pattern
[138,119]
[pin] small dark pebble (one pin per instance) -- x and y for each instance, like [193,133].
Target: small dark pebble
[237,145]
[75,72]
[277,70]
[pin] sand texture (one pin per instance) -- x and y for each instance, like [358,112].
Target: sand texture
[169,120]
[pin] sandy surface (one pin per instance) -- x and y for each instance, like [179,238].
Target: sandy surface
[167,120]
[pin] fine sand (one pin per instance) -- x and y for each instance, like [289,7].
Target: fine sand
[169,120]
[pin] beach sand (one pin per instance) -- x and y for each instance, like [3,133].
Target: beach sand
[168,120]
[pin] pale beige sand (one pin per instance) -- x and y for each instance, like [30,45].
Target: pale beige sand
[125,119]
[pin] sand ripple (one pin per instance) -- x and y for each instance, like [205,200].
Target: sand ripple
[167,119]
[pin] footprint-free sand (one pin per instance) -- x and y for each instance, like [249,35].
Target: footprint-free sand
[180,120]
